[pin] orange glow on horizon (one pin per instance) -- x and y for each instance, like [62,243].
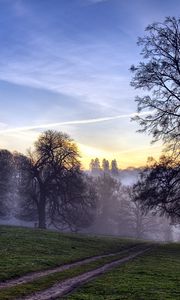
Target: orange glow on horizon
[133,157]
[129,158]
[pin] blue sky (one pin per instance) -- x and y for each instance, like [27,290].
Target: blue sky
[64,61]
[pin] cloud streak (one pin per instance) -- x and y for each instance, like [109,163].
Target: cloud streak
[76,122]
[97,1]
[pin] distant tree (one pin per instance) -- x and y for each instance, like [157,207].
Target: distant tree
[6,176]
[92,165]
[159,74]
[144,225]
[114,168]
[105,165]
[107,189]
[168,232]
[95,166]
[124,214]
[133,221]
[26,189]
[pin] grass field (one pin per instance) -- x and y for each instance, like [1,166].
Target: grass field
[24,250]
[154,276]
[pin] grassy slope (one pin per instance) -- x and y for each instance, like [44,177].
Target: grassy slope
[25,250]
[155,276]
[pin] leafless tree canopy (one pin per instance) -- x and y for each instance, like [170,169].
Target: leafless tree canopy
[159,74]
[57,188]
[159,186]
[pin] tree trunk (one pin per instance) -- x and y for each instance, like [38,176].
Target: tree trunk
[42,212]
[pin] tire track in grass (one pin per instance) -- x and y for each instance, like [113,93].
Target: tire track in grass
[36,275]
[67,286]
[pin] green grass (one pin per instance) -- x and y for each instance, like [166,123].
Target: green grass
[154,276]
[48,281]
[24,250]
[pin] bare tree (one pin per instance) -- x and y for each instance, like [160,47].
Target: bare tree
[158,188]
[26,189]
[134,221]
[54,185]
[55,154]
[73,205]
[159,74]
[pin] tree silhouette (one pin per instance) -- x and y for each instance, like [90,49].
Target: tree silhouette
[53,184]
[6,174]
[114,168]
[158,188]
[105,165]
[95,166]
[159,74]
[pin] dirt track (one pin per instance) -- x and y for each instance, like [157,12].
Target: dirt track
[35,275]
[68,285]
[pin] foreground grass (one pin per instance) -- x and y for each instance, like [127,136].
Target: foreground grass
[154,276]
[47,281]
[24,250]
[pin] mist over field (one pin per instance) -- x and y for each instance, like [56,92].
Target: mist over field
[108,209]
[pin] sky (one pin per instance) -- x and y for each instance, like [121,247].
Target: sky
[64,65]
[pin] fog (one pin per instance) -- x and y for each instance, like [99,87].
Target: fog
[113,211]
[119,215]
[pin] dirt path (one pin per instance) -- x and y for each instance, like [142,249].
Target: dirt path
[35,275]
[65,287]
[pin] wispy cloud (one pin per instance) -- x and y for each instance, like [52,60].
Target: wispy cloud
[96,1]
[91,70]
[76,122]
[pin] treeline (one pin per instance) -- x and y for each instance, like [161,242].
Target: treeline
[48,188]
